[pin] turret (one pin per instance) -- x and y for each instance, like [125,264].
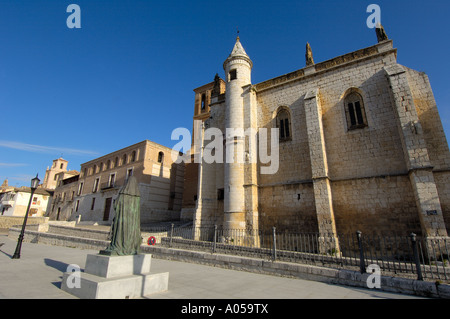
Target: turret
[237,68]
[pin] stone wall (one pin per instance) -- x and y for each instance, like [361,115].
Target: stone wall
[371,151]
[378,205]
[288,207]
[59,240]
[9,221]
[190,193]
[442,180]
[78,232]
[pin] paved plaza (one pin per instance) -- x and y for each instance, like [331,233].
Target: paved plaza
[38,274]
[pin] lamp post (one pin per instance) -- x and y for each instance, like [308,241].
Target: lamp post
[34,184]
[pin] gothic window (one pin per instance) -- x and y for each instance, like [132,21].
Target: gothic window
[284,125]
[354,111]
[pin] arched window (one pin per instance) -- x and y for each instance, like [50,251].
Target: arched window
[124,159]
[108,165]
[354,111]
[284,125]
[160,157]
[116,162]
[133,156]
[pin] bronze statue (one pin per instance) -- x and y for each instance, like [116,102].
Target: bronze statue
[126,227]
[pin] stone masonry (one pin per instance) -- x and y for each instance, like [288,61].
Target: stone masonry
[363,148]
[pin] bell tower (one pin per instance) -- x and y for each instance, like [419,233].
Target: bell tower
[59,165]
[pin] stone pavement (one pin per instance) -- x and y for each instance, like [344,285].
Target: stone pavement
[38,274]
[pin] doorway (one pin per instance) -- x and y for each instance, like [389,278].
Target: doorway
[108,202]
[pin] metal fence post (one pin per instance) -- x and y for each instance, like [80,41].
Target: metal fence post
[362,263]
[215,239]
[274,235]
[416,256]
[171,236]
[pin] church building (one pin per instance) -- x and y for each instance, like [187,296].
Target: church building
[360,146]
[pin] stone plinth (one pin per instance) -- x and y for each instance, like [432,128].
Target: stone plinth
[116,277]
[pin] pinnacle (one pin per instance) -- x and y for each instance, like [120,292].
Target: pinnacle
[238,49]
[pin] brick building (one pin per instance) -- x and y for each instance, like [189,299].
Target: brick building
[92,192]
[360,145]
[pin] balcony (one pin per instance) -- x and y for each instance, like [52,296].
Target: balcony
[108,186]
[7,203]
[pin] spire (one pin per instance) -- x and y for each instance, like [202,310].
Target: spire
[308,55]
[381,34]
[238,49]
[238,52]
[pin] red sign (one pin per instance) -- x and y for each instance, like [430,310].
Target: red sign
[151,241]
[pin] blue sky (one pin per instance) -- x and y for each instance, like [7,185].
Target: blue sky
[128,74]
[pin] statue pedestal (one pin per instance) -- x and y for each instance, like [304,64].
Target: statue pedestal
[115,277]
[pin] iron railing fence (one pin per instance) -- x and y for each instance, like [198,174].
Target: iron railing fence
[407,256]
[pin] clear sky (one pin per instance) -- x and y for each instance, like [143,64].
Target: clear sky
[128,74]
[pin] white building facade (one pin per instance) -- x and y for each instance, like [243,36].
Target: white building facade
[15,202]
